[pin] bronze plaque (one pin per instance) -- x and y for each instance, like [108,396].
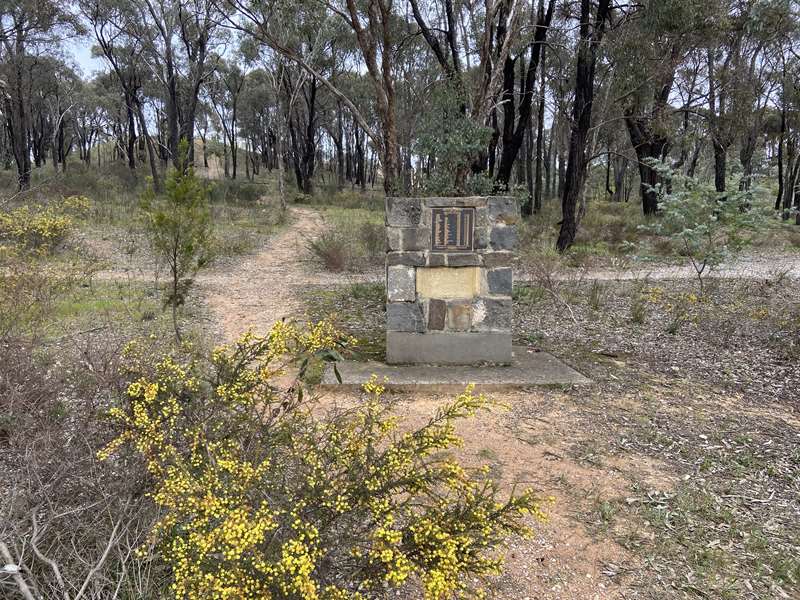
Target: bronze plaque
[452,229]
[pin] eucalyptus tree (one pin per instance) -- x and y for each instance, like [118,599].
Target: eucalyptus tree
[176,41]
[647,54]
[728,52]
[65,89]
[203,127]
[88,121]
[225,88]
[514,133]
[788,154]
[378,30]
[124,51]
[499,39]
[185,64]
[25,27]
[257,119]
[302,118]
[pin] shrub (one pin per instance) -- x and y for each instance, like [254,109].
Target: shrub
[704,226]
[331,248]
[260,499]
[598,292]
[352,239]
[639,307]
[42,228]
[373,238]
[235,190]
[35,228]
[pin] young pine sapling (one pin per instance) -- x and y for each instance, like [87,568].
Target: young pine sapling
[178,223]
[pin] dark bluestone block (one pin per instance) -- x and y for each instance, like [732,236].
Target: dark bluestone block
[403,212]
[499,281]
[437,259]
[492,260]
[464,260]
[503,209]
[394,239]
[404,316]
[437,312]
[412,259]
[497,315]
[415,238]
[504,238]
[481,238]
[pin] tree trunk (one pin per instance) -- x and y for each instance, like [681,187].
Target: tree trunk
[649,147]
[528,207]
[792,170]
[537,198]
[337,140]
[131,146]
[720,164]
[17,121]
[151,153]
[575,177]
[746,152]
[513,135]
[779,197]
[698,148]
[493,143]
[620,167]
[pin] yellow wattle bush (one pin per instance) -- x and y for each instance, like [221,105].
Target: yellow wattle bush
[261,499]
[41,228]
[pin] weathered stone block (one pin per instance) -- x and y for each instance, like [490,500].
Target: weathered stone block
[416,238]
[448,348]
[437,259]
[404,316]
[482,217]
[491,314]
[412,259]
[459,316]
[467,259]
[499,281]
[437,313]
[401,284]
[449,201]
[497,259]
[403,212]
[481,239]
[394,239]
[503,209]
[503,237]
[448,282]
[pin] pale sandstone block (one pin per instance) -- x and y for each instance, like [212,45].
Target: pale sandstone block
[448,282]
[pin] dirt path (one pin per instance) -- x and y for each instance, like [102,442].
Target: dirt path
[265,287]
[260,290]
[747,266]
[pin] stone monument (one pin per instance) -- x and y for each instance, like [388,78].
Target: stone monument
[449,279]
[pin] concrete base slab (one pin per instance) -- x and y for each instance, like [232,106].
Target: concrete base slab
[528,369]
[448,348]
